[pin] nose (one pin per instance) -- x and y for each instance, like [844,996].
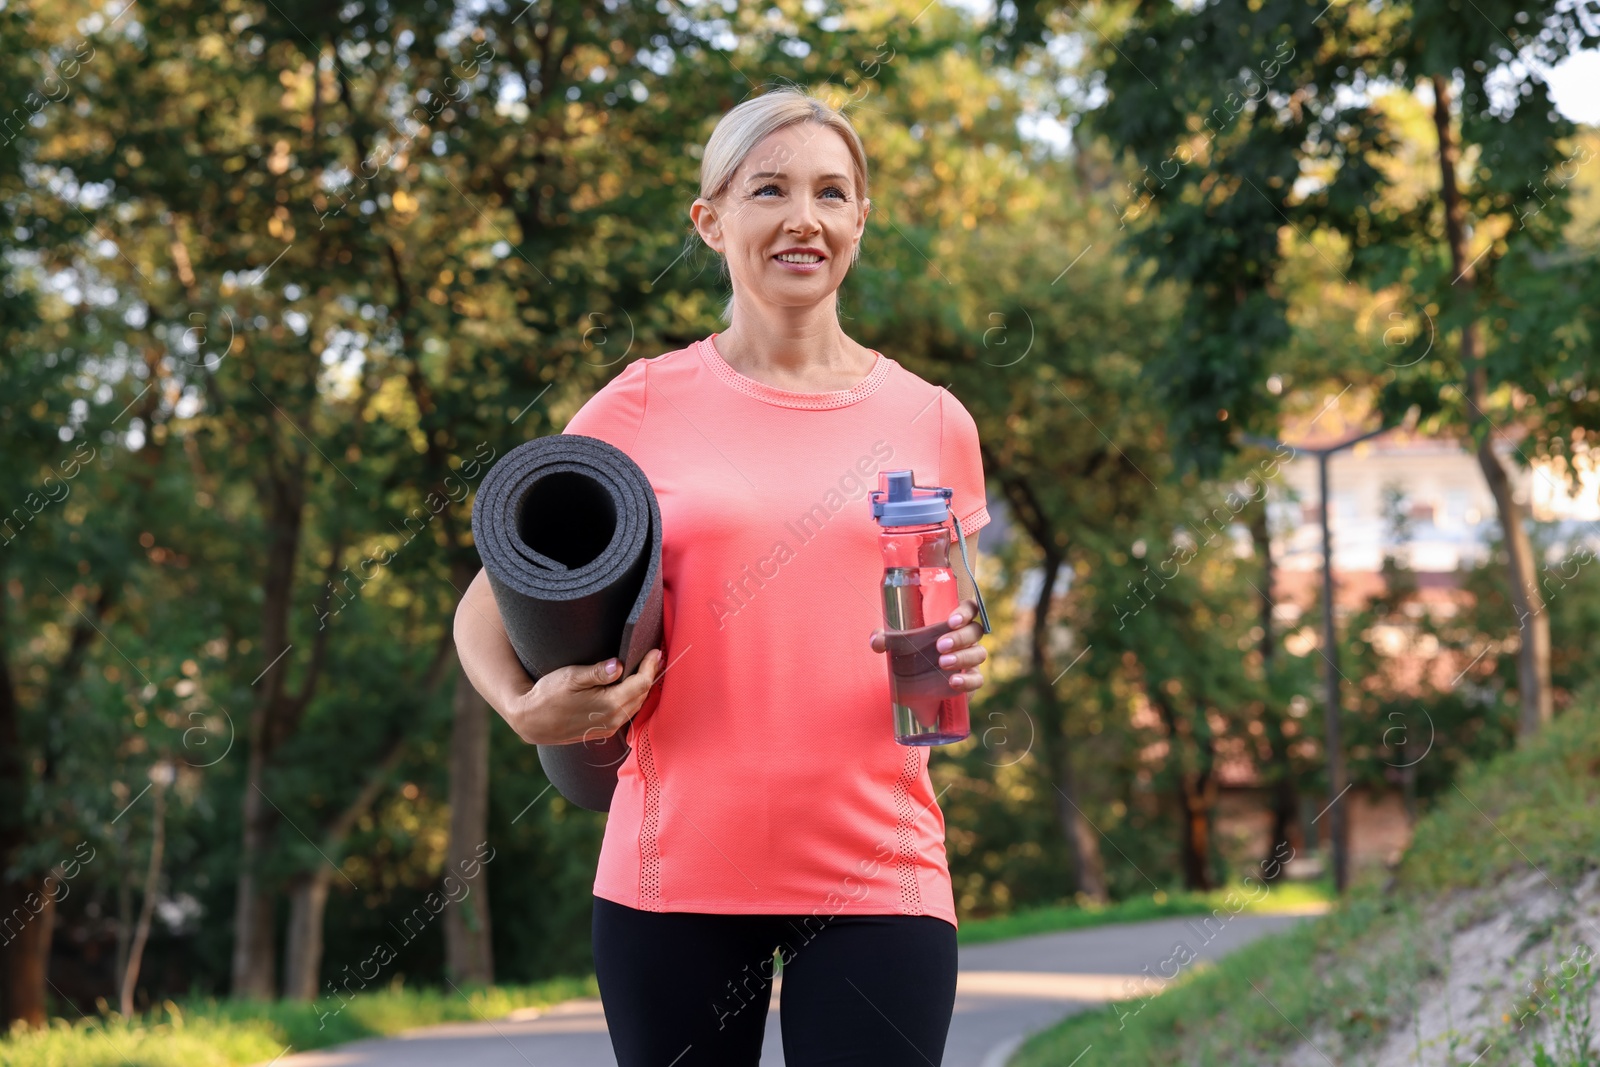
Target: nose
[803,219]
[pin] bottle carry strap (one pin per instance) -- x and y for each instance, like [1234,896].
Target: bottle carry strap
[961,538]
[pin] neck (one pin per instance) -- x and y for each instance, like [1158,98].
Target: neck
[788,342]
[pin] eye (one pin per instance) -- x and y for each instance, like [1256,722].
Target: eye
[763,189]
[836,189]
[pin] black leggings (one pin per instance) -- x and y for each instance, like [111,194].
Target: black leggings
[682,989]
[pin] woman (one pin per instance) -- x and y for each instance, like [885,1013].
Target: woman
[764,806]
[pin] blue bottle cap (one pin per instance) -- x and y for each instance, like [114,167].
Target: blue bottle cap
[896,502]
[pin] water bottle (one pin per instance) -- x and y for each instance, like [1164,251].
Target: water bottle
[919,595]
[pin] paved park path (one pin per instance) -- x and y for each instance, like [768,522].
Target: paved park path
[1006,991]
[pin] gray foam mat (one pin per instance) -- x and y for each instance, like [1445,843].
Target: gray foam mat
[569,531]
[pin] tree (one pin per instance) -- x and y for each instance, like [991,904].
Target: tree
[1300,153]
[406,263]
[1045,332]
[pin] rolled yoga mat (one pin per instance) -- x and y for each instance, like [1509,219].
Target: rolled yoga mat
[569,531]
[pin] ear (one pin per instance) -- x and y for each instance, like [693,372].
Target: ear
[861,227]
[707,223]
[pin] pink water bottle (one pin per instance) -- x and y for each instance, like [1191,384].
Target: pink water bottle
[919,593]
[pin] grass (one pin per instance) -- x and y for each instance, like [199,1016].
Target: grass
[1352,976]
[1284,897]
[1349,977]
[1252,1005]
[237,1033]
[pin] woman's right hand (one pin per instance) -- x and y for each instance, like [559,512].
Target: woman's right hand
[582,703]
[571,704]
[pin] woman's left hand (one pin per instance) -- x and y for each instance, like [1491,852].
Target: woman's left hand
[959,649]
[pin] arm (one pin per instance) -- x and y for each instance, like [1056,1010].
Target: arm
[571,704]
[487,658]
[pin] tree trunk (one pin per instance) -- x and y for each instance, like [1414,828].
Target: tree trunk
[24,907]
[27,899]
[252,917]
[468,955]
[124,925]
[20,998]
[1082,838]
[147,909]
[253,964]
[1196,797]
[28,957]
[1285,805]
[29,924]
[1533,655]
[1196,792]
[1285,798]
[302,964]
[308,891]
[1533,658]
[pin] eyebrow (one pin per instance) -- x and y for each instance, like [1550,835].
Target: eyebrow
[781,174]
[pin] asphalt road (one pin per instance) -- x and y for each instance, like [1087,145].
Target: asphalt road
[1006,991]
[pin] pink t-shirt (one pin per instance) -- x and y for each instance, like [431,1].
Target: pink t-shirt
[764,776]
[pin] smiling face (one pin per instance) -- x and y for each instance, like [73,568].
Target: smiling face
[789,221]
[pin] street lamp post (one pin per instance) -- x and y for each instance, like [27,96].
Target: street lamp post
[1338,829]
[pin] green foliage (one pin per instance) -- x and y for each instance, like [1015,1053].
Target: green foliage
[1264,118]
[338,260]
[1537,804]
[294,274]
[1572,1040]
[1353,973]
[1215,163]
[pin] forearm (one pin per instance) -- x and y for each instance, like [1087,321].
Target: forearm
[486,655]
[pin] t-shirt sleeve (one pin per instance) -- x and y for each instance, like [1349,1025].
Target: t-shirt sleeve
[616,410]
[961,464]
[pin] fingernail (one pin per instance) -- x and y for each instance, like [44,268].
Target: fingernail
[947,661]
[955,620]
[955,681]
[611,666]
[946,644]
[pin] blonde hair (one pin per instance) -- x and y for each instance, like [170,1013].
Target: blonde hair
[748,124]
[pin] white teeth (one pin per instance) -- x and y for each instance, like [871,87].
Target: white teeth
[800,257]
